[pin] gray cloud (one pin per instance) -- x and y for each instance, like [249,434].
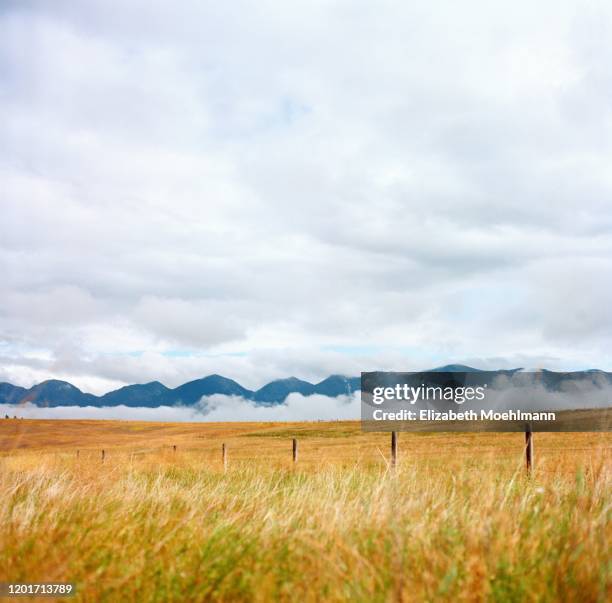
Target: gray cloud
[271,190]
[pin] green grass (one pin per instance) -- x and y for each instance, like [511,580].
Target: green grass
[161,529]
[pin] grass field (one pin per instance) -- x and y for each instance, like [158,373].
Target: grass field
[458,520]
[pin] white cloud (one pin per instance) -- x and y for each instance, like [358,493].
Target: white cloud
[258,184]
[295,408]
[161,413]
[214,408]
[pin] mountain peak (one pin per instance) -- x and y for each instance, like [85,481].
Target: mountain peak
[455,368]
[277,391]
[149,394]
[291,380]
[54,392]
[338,385]
[193,391]
[56,383]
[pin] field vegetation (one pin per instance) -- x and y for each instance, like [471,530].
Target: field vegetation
[457,520]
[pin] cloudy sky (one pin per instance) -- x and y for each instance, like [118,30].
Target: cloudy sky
[271,189]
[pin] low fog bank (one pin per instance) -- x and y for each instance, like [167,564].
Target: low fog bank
[575,395]
[214,408]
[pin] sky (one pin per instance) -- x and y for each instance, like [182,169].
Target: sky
[270,189]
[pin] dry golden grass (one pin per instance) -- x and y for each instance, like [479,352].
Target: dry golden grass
[458,519]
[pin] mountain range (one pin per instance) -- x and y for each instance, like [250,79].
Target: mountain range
[61,393]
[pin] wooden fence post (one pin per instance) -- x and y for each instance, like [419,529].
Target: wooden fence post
[295,450]
[528,448]
[224,456]
[393,449]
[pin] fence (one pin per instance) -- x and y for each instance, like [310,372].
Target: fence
[394,457]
